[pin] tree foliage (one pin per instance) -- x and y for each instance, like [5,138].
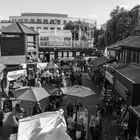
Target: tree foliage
[122,23]
[74,27]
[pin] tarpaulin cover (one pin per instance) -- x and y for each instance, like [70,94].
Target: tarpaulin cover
[13,75]
[44,126]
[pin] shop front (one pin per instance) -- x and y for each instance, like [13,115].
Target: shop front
[135,111]
[127,86]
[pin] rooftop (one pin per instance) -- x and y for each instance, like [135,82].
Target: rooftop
[12,60]
[131,42]
[130,71]
[45,14]
[18,28]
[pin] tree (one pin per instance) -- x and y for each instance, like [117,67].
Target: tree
[74,28]
[122,23]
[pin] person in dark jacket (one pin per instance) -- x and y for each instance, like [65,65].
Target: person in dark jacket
[69,109]
[1,117]
[37,109]
[72,79]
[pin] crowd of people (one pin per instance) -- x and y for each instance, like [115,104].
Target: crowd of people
[53,77]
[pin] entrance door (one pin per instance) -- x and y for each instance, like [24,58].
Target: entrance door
[47,55]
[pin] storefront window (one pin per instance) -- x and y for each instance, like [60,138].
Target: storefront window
[64,54]
[139,57]
[70,54]
[138,130]
[59,54]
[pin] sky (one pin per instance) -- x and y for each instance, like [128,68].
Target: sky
[90,9]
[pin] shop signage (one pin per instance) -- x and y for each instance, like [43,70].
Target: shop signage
[11,36]
[121,89]
[109,77]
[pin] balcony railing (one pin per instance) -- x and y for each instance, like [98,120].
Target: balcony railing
[73,44]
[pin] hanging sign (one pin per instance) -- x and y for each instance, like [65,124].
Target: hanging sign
[109,77]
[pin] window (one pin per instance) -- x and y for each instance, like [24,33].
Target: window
[45,28]
[45,21]
[34,53]
[67,38]
[32,28]
[32,20]
[52,28]
[58,22]
[38,20]
[29,53]
[59,54]
[44,38]
[139,57]
[52,22]
[20,20]
[70,54]
[64,54]
[30,38]
[58,28]
[64,22]
[77,53]
[38,28]
[25,20]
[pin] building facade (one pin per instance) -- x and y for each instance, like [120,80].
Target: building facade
[126,51]
[18,40]
[45,21]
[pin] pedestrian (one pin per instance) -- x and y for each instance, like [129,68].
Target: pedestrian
[37,109]
[79,106]
[18,113]
[92,124]
[69,108]
[1,117]
[7,105]
[37,83]
[72,78]
[71,126]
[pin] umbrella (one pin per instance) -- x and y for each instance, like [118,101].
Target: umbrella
[78,91]
[34,94]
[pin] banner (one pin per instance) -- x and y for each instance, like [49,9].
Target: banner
[44,126]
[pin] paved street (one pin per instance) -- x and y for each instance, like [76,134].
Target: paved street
[88,102]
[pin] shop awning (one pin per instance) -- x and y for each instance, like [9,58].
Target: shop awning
[100,61]
[2,67]
[131,71]
[136,110]
[12,60]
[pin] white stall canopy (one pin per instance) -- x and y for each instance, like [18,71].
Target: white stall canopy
[13,75]
[44,126]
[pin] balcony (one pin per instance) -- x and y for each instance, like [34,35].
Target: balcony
[72,44]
